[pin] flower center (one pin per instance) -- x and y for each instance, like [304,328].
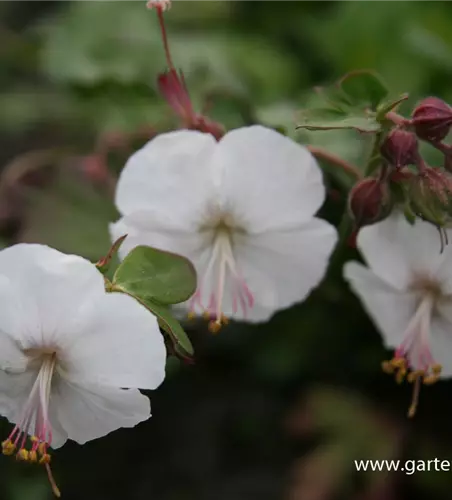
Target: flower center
[413,359]
[221,277]
[35,416]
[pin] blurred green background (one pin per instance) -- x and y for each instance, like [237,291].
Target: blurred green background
[277,411]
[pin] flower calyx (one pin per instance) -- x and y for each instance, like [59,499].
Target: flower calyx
[172,87]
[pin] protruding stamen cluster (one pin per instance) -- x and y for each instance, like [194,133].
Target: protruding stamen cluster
[38,452]
[221,273]
[35,414]
[399,367]
[413,360]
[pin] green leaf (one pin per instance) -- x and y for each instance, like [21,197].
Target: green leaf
[386,107]
[154,275]
[329,119]
[172,327]
[364,87]
[103,264]
[167,322]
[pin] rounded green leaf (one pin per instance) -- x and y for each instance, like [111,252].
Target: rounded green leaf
[151,274]
[364,87]
[167,322]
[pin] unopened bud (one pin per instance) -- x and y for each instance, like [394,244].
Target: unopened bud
[432,119]
[369,201]
[429,195]
[400,148]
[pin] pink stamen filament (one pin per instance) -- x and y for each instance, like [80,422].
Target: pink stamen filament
[36,408]
[416,343]
[222,261]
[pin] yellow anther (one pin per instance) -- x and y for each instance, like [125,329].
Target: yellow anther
[45,459]
[414,375]
[400,375]
[387,367]
[430,379]
[398,362]
[42,448]
[33,457]
[34,439]
[224,320]
[191,315]
[8,447]
[206,315]
[437,369]
[22,455]
[214,326]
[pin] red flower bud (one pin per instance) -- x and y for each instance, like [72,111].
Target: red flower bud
[400,148]
[95,168]
[432,119]
[369,201]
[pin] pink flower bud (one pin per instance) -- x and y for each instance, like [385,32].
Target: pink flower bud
[369,201]
[400,148]
[432,119]
[95,169]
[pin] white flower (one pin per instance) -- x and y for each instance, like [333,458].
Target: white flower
[408,293]
[241,209]
[68,350]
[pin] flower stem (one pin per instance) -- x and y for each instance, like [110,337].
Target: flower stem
[396,118]
[335,160]
[374,158]
[165,39]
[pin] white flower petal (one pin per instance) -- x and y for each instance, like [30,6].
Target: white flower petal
[282,267]
[42,293]
[441,342]
[390,309]
[119,344]
[268,180]
[14,391]
[156,234]
[399,252]
[170,176]
[88,411]
[12,359]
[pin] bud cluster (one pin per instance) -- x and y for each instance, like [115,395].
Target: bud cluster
[405,176]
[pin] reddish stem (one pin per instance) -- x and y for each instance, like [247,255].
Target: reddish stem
[335,160]
[165,39]
[397,119]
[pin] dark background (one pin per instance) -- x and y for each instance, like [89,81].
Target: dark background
[277,411]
